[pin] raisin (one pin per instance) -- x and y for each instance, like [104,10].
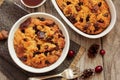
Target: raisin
[86,26]
[96,26]
[25,39]
[41,18]
[99,4]
[94,9]
[80,3]
[36,53]
[47,62]
[50,25]
[46,46]
[105,15]
[40,34]
[46,52]
[93,50]
[72,19]
[38,46]
[81,19]
[101,21]
[35,28]
[23,58]
[49,38]
[87,18]
[68,3]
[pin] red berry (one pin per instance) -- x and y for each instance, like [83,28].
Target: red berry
[71,53]
[102,52]
[98,69]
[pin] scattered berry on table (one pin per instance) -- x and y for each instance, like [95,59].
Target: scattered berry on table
[102,52]
[98,69]
[71,53]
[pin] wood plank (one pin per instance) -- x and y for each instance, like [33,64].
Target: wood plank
[85,62]
[3,76]
[111,43]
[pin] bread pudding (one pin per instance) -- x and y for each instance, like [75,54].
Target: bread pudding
[89,16]
[38,42]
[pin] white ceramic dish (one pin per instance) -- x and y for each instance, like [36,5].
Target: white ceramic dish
[33,6]
[107,30]
[12,50]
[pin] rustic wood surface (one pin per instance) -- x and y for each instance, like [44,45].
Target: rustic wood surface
[110,42]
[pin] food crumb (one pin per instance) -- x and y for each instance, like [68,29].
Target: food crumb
[3,34]
[1,2]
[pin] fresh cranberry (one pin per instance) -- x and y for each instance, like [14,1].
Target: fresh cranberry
[102,52]
[98,69]
[71,53]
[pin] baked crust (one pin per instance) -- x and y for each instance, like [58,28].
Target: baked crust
[89,16]
[38,42]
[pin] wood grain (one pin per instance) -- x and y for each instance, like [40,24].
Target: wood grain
[111,43]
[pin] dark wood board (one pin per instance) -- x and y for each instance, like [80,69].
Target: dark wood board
[9,14]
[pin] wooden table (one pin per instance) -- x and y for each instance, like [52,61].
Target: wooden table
[110,42]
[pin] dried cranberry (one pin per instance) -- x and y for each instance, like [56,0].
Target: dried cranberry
[93,50]
[98,69]
[25,24]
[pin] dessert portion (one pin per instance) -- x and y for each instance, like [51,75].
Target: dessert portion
[38,42]
[89,16]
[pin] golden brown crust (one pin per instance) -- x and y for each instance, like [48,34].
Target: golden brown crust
[38,42]
[89,16]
